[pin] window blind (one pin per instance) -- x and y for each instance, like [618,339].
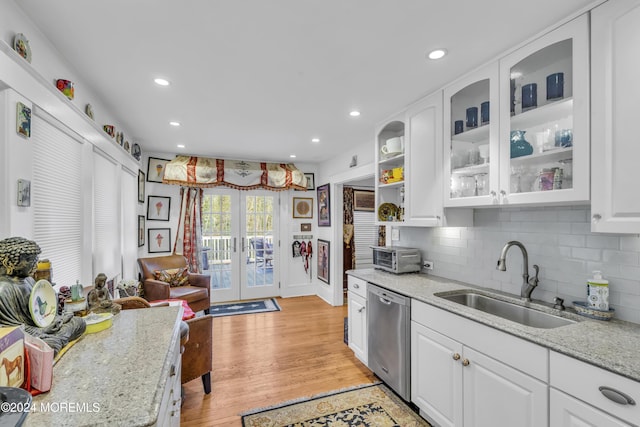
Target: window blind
[129,185]
[106,215]
[365,234]
[57,199]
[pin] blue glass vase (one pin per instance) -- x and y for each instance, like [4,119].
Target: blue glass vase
[519,145]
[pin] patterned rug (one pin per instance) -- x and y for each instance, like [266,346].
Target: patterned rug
[371,405]
[245,307]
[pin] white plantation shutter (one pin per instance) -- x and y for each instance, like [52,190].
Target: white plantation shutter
[129,186]
[106,215]
[56,198]
[365,234]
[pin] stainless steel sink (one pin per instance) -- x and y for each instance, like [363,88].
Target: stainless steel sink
[514,312]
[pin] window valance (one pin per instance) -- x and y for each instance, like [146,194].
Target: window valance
[239,174]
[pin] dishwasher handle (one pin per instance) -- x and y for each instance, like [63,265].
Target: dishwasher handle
[384,301]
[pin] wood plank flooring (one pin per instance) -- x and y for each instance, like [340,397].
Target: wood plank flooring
[264,359]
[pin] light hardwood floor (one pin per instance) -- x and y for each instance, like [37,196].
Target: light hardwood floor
[264,359]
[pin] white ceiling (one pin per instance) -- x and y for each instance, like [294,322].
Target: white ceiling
[258,79]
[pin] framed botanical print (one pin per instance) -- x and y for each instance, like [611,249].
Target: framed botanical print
[159,240]
[140,230]
[324,207]
[140,186]
[302,207]
[155,169]
[324,259]
[158,208]
[364,200]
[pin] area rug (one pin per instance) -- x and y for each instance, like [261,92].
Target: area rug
[371,405]
[245,307]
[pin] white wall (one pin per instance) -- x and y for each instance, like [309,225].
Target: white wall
[558,239]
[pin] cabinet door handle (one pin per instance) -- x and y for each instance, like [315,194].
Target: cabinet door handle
[616,395]
[235,248]
[595,218]
[172,372]
[465,362]
[455,356]
[361,309]
[356,286]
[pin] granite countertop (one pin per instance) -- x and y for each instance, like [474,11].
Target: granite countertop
[114,377]
[611,345]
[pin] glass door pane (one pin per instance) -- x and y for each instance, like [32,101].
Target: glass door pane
[260,219]
[219,235]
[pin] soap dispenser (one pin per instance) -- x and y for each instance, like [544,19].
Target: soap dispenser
[598,292]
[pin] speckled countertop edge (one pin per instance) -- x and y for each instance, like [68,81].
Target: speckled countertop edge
[123,369]
[612,345]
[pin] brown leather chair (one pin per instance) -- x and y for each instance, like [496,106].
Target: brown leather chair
[197,357]
[196,293]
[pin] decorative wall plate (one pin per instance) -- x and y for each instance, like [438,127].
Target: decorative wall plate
[88,109]
[43,303]
[127,146]
[21,45]
[387,210]
[136,151]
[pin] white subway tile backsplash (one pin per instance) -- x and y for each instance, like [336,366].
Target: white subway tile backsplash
[559,239]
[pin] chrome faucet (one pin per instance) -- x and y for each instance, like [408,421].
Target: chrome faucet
[528,284]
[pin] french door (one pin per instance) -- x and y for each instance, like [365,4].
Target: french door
[240,243]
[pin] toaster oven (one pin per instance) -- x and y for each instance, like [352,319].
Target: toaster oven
[397,259]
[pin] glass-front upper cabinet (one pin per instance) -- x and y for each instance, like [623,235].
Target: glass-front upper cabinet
[471,139]
[390,162]
[544,118]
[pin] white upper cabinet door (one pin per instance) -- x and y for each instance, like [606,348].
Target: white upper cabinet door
[423,163]
[615,85]
[471,139]
[544,119]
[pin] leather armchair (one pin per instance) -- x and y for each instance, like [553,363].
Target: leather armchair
[197,341]
[196,293]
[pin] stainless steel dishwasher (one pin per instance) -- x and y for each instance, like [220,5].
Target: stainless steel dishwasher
[389,336]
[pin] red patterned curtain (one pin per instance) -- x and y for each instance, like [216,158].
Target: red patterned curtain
[189,235]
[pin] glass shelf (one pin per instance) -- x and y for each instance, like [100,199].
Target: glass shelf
[547,113]
[481,133]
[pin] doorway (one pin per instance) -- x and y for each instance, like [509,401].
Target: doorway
[240,246]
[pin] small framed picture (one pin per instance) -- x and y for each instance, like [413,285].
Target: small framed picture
[324,208]
[140,230]
[311,182]
[155,169]
[159,240]
[23,120]
[364,200]
[140,186]
[324,259]
[24,193]
[305,226]
[158,208]
[302,207]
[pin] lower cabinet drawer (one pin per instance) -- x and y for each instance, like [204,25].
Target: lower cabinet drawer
[357,286]
[592,385]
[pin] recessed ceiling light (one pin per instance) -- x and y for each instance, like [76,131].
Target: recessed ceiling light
[437,53]
[293,156]
[315,140]
[354,113]
[180,145]
[174,123]
[161,82]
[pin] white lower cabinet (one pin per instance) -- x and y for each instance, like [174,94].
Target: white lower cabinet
[455,384]
[579,395]
[169,414]
[357,322]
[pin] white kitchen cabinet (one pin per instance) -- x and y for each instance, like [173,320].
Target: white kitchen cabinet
[582,388]
[423,163]
[615,89]
[169,414]
[554,166]
[357,317]
[486,161]
[467,374]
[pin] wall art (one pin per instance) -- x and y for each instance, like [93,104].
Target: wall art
[364,200]
[23,120]
[24,192]
[155,169]
[140,186]
[140,230]
[324,207]
[159,240]
[324,259]
[302,207]
[305,226]
[158,208]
